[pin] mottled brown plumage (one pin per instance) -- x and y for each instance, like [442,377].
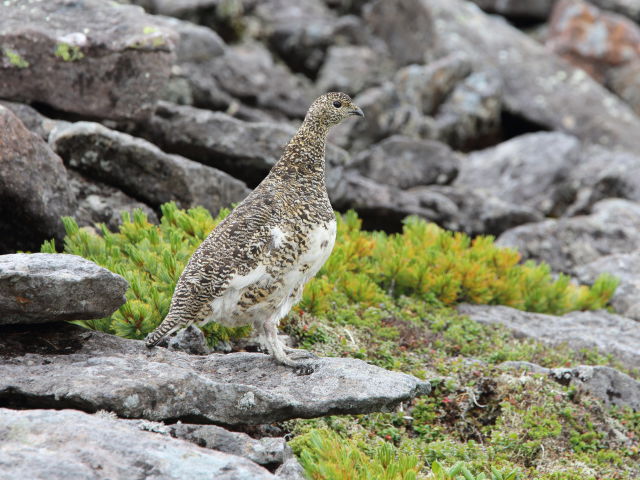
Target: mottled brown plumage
[252,267]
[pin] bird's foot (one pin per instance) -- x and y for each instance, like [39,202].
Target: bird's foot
[299,367]
[299,353]
[305,368]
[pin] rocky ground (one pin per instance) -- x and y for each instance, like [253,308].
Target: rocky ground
[513,119]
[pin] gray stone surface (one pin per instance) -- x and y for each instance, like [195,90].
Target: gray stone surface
[471,116]
[406,26]
[264,451]
[602,173]
[101,203]
[567,243]
[245,150]
[49,287]
[32,119]
[538,86]
[352,68]
[530,170]
[34,188]
[298,30]
[72,445]
[142,170]
[626,268]
[404,162]
[406,104]
[607,332]
[454,208]
[480,212]
[90,57]
[605,383]
[158,384]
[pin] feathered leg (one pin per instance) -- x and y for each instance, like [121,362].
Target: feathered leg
[276,349]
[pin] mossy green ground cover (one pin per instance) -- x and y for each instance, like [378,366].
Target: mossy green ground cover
[388,299]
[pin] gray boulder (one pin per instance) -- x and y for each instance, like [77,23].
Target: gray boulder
[224,77]
[481,212]
[94,58]
[34,188]
[100,203]
[245,150]
[32,119]
[142,170]
[69,444]
[406,27]
[249,73]
[566,243]
[610,334]
[44,287]
[626,268]
[444,99]
[531,170]
[298,30]
[471,116]
[601,173]
[159,384]
[384,206]
[537,86]
[352,68]
[611,386]
[404,162]
[428,86]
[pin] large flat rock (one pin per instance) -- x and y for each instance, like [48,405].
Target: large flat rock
[72,445]
[89,57]
[157,384]
[607,332]
[48,287]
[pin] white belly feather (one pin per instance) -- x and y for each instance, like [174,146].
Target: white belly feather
[319,246]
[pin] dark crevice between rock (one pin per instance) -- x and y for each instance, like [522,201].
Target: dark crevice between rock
[52,339]
[17,400]
[55,114]
[514,125]
[388,221]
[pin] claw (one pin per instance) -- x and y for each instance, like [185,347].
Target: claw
[306,369]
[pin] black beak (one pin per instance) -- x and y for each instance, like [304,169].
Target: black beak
[358,111]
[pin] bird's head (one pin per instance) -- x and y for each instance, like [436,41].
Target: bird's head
[331,108]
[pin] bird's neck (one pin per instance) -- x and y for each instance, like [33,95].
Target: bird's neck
[304,154]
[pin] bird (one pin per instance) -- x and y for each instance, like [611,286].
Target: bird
[252,267]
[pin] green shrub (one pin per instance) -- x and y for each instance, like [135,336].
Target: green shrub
[365,268]
[325,455]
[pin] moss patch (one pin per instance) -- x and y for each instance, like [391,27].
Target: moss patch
[15,58]
[68,53]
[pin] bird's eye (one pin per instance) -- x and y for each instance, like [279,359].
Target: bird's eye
[337,104]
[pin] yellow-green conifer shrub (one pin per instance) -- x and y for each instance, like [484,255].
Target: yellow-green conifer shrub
[365,268]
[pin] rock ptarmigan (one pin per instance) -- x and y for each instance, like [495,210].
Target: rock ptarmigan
[252,267]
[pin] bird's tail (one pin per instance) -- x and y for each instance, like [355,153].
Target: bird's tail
[168,326]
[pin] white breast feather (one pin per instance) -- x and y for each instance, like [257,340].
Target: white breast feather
[278,237]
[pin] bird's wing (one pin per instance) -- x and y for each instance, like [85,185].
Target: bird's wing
[233,250]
